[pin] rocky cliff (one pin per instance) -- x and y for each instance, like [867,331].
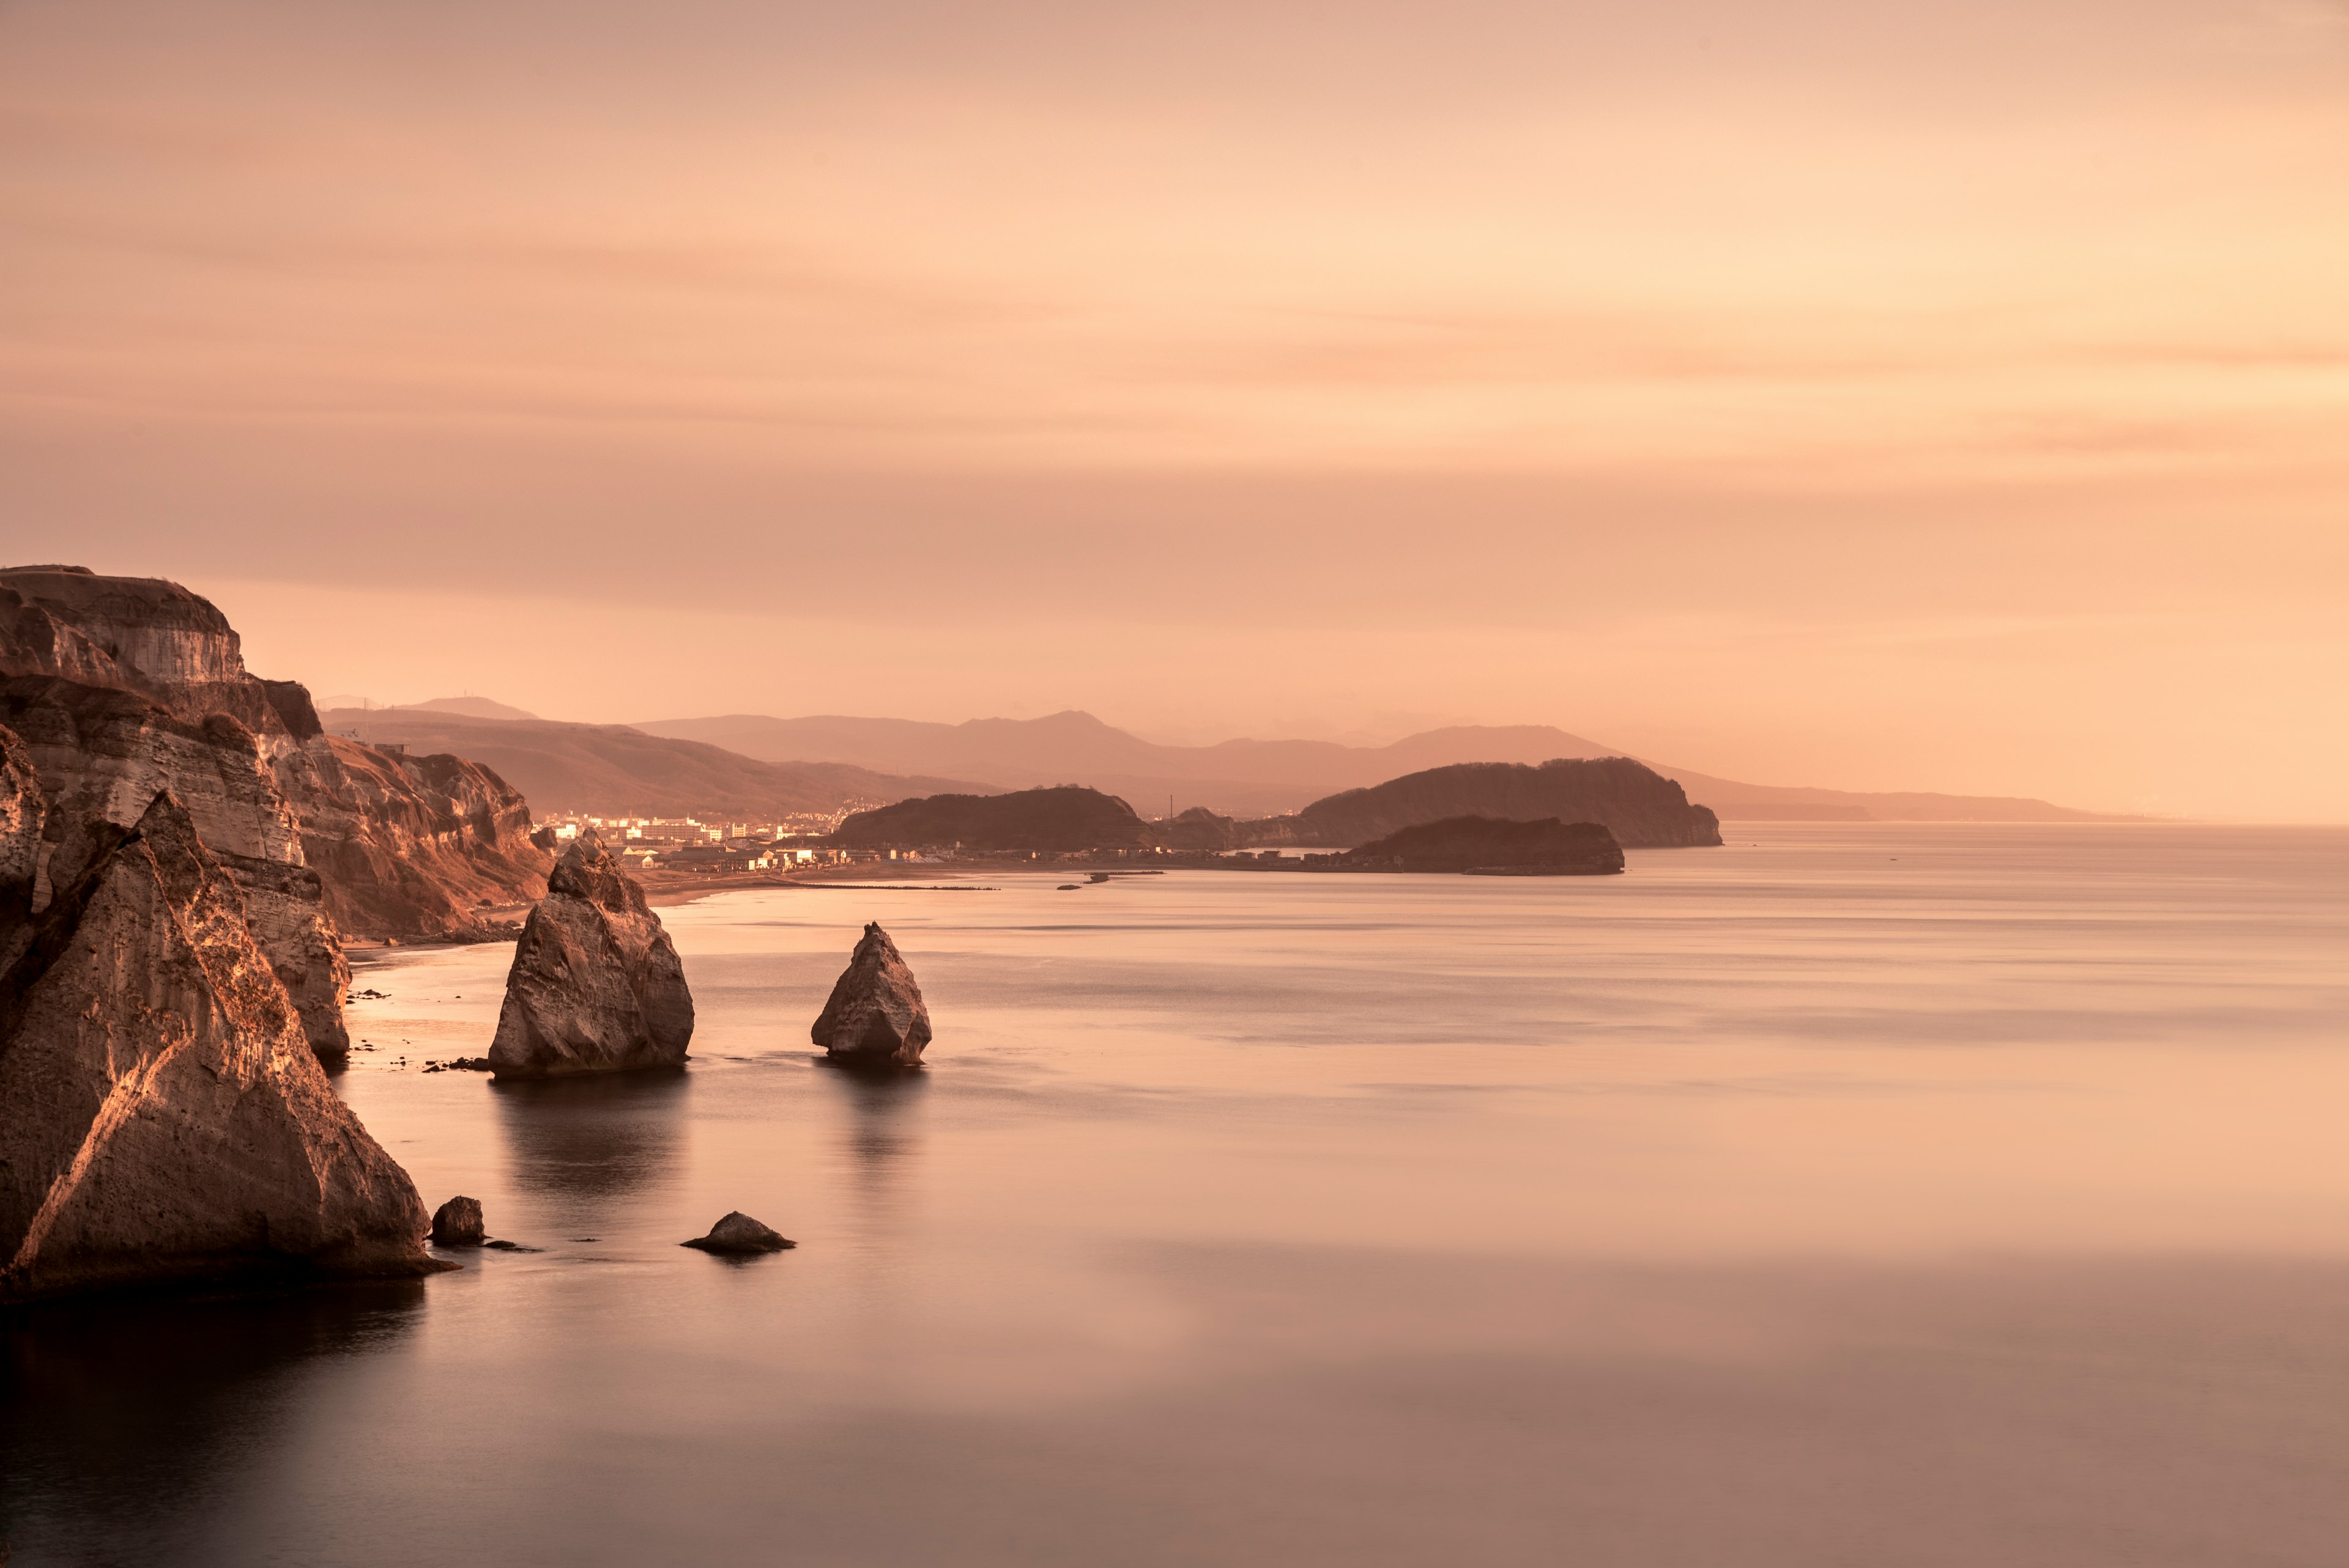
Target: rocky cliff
[408,846]
[402,845]
[161,1115]
[102,753]
[24,815]
[1643,809]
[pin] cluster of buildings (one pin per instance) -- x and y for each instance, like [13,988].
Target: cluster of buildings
[690,844]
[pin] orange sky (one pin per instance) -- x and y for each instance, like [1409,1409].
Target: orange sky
[1880,395]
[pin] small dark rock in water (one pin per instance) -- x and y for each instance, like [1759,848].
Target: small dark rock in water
[1067,886]
[511,1247]
[875,1014]
[458,1223]
[738,1232]
[460,1065]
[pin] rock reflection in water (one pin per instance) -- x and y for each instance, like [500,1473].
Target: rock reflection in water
[127,1419]
[880,1138]
[592,1139]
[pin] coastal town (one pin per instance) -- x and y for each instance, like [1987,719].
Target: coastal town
[667,847]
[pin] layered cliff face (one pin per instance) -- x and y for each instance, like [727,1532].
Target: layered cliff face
[24,813]
[404,846]
[1643,809]
[410,847]
[101,755]
[161,1114]
[138,634]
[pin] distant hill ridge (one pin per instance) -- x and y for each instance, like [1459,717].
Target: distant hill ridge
[1063,818]
[1248,778]
[614,769]
[1643,809]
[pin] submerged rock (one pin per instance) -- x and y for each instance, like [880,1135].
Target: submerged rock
[875,1014]
[161,1113]
[595,985]
[458,1223]
[738,1232]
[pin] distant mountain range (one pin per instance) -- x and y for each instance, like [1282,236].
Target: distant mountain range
[1261,778]
[613,769]
[750,765]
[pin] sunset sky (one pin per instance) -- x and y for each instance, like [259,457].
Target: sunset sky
[1867,393]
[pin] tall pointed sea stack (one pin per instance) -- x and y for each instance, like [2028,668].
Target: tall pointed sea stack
[161,1116]
[595,985]
[875,1016]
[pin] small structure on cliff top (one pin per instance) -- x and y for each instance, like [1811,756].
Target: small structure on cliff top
[163,1115]
[595,985]
[876,1016]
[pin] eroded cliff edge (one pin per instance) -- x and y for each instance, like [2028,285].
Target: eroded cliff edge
[126,685]
[161,1115]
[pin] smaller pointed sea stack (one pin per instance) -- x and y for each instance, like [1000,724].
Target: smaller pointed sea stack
[738,1232]
[876,1016]
[595,985]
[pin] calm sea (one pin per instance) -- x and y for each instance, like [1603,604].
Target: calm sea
[1883,1195]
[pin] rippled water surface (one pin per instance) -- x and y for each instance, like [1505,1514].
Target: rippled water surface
[1845,1196]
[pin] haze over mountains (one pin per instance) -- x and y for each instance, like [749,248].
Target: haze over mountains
[753,765]
[1258,778]
[612,768]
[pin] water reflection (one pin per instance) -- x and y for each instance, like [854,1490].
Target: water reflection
[122,1419]
[881,1134]
[594,1139]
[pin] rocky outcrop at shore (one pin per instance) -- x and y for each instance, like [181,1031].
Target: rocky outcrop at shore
[162,1114]
[874,1016]
[1643,809]
[1482,844]
[595,985]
